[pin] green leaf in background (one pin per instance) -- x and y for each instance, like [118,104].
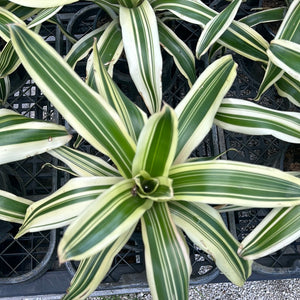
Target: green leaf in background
[21,137]
[13,208]
[84,164]
[157,144]
[63,206]
[237,183]
[109,216]
[249,118]
[197,109]
[9,60]
[181,53]
[166,255]
[214,29]
[142,48]
[83,108]
[92,271]
[4,89]
[206,229]
[132,116]
[277,230]
[286,55]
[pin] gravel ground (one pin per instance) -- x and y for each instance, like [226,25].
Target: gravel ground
[288,289]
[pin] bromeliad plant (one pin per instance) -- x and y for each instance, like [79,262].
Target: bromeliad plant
[152,180]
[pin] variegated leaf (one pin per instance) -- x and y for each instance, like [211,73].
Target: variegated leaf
[84,109]
[289,87]
[84,164]
[63,206]
[21,137]
[23,12]
[205,227]
[237,183]
[109,216]
[197,109]
[43,3]
[141,45]
[167,261]
[4,89]
[12,207]
[130,3]
[44,15]
[286,55]
[132,116]
[214,29]
[157,144]
[249,118]
[238,37]
[277,230]
[182,55]
[92,270]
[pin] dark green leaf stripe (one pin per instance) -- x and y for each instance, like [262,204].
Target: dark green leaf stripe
[278,229]
[182,55]
[206,229]
[63,206]
[238,37]
[84,164]
[249,118]
[21,11]
[85,110]
[167,261]
[12,208]
[44,3]
[133,117]
[44,15]
[141,44]
[92,271]
[228,182]
[109,216]
[4,90]
[198,108]
[157,144]
[9,60]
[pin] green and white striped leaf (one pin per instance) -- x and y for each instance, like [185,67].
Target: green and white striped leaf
[206,229]
[286,55]
[82,47]
[66,204]
[238,37]
[197,109]
[44,15]
[289,87]
[84,164]
[109,216]
[43,3]
[249,118]
[166,254]
[9,60]
[92,271]
[110,47]
[237,183]
[56,20]
[21,137]
[12,207]
[4,89]
[277,230]
[23,12]
[214,29]
[6,18]
[157,144]
[84,109]
[264,16]
[181,53]
[132,116]
[142,48]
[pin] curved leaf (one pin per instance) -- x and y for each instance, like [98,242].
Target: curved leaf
[21,137]
[43,3]
[84,164]
[229,182]
[249,118]
[277,230]
[4,89]
[109,216]
[167,260]
[84,109]
[157,144]
[141,45]
[9,60]
[12,208]
[197,109]
[205,227]
[63,206]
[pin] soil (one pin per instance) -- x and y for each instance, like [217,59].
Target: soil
[292,158]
